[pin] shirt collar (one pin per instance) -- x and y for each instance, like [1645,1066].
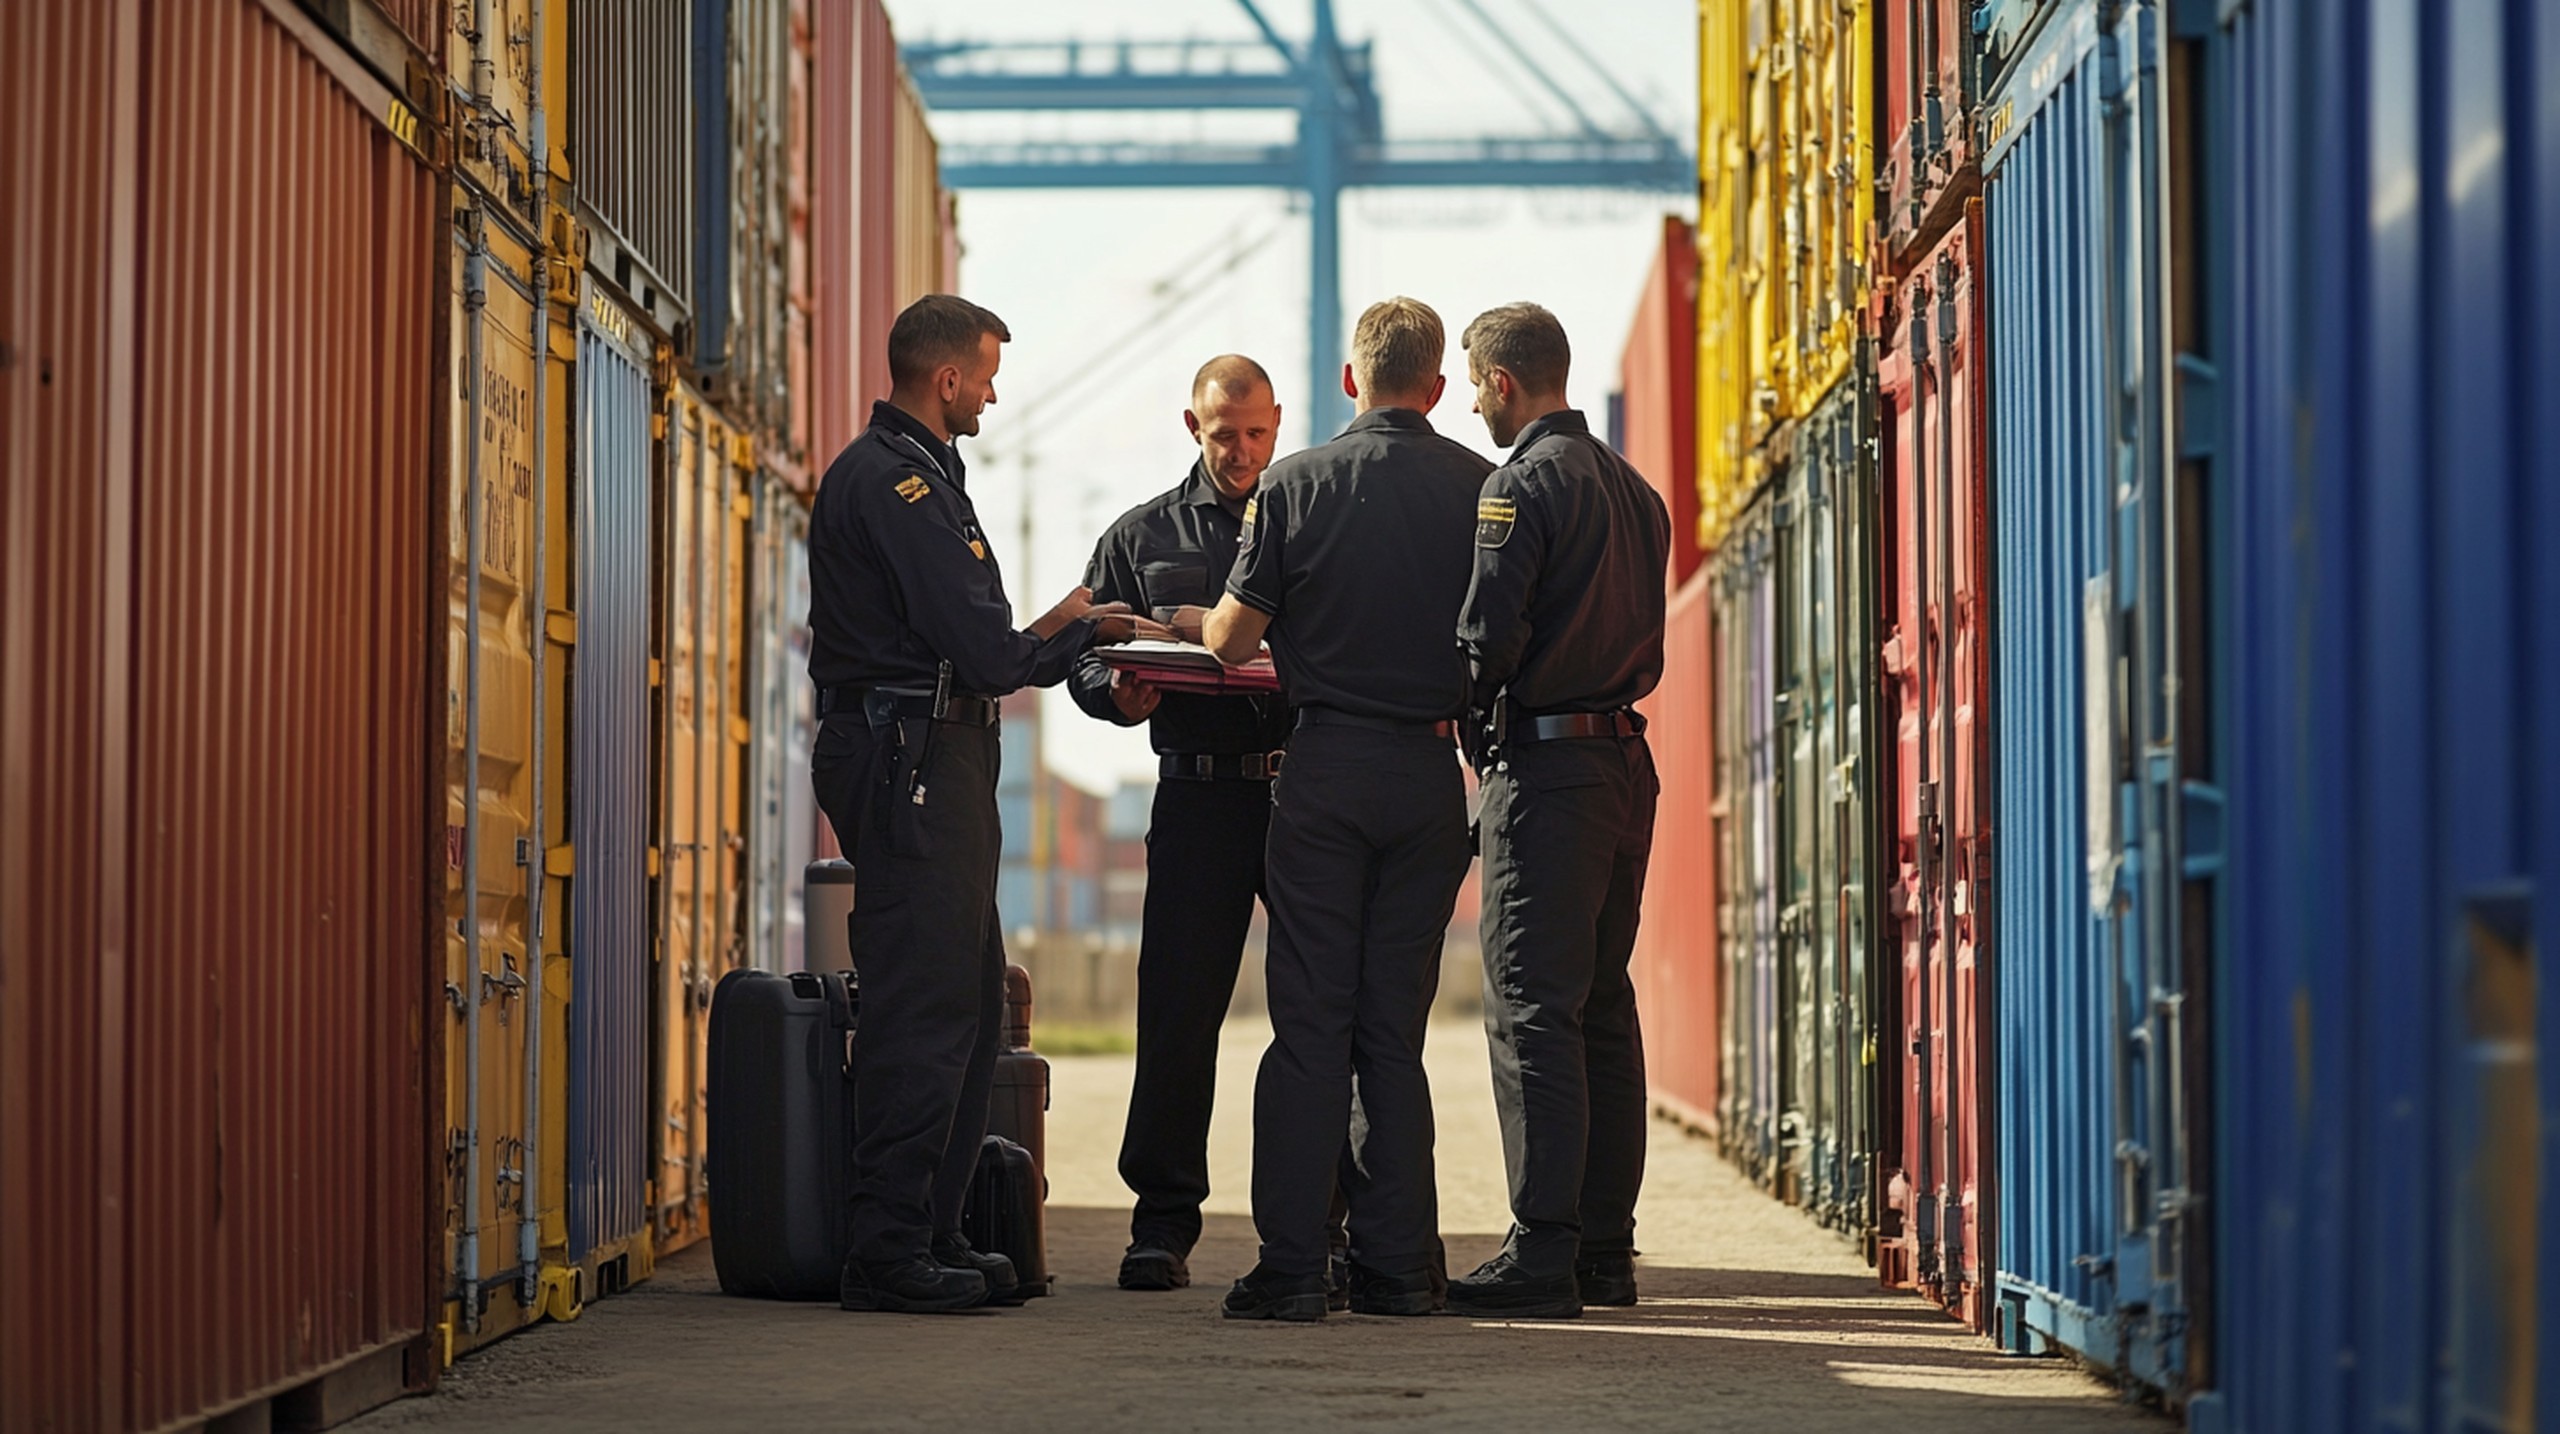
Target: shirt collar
[1563,421]
[1199,492]
[885,414]
[1410,420]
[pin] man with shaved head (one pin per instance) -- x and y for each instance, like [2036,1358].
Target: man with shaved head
[1216,756]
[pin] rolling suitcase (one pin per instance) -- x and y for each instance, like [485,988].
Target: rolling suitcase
[1003,1215]
[781,1158]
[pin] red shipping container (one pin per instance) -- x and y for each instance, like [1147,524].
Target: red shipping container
[1930,163]
[1658,381]
[221,458]
[1938,1215]
[1678,976]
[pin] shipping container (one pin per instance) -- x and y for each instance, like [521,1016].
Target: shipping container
[748,76]
[612,852]
[2104,897]
[505,565]
[219,431]
[2384,300]
[782,840]
[1939,1216]
[1927,156]
[882,229]
[1804,256]
[1656,426]
[509,86]
[1829,911]
[631,146]
[1747,821]
[1678,979]
[703,731]
[1726,476]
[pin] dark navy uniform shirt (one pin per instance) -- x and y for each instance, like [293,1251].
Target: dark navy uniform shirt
[1359,550]
[1570,550]
[1172,550]
[902,579]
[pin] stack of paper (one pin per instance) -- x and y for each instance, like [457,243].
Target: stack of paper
[1189,667]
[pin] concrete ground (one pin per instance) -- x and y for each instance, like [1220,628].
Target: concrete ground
[1752,1319]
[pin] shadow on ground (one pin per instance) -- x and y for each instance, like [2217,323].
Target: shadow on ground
[1723,1348]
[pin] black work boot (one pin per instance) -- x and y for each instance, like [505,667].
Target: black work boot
[953,1252]
[1265,1295]
[1413,1292]
[1153,1267]
[1503,1288]
[914,1285]
[1608,1278]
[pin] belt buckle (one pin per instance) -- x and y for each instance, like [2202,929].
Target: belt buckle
[1203,766]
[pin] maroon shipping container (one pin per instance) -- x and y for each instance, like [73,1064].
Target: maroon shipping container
[1677,974]
[218,345]
[1937,1164]
[1658,384]
[1930,162]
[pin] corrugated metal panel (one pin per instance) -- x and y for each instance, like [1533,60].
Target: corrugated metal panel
[1746,627]
[704,730]
[1678,978]
[749,79]
[1803,254]
[1927,151]
[69,92]
[609,792]
[1725,480]
[716,80]
[512,85]
[784,817]
[2387,1009]
[1932,371]
[631,140]
[504,709]
[1658,383]
[273,1139]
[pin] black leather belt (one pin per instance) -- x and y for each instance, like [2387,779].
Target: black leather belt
[1557,725]
[1219,766]
[959,711]
[1332,717]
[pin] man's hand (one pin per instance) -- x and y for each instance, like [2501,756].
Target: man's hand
[1118,625]
[1077,603]
[1135,696]
[1186,621]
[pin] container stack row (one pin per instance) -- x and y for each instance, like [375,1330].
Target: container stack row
[2110,717]
[413,414]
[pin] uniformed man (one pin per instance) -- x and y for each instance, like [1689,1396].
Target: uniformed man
[911,644]
[1563,631]
[1354,559]
[1216,757]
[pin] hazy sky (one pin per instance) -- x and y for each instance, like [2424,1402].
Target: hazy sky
[1074,271]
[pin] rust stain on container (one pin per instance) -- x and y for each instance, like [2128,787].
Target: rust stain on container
[225,511]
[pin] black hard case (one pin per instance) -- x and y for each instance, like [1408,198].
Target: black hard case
[781,1131]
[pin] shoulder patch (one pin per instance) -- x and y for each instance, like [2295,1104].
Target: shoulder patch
[1252,506]
[1494,517]
[913,487]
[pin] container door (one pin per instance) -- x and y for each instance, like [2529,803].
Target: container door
[1928,125]
[1724,373]
[508,468]
[784,808]
[1934,666]
[1799,867]
[1841,439]
[609,945]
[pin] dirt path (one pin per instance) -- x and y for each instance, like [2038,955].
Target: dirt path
[1753,1319]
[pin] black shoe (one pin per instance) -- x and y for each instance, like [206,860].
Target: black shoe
[1264,1295]
[1608,1279]
[1337,1285]
[914,1285]
[1153,1267]
[1410,1293]
[1501,1288]
[953,1252]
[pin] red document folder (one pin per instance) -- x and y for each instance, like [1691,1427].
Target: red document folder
[1186,667]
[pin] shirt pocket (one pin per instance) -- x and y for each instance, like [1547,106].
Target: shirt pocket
[1173,582]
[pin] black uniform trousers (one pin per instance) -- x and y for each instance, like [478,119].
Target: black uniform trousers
[1567,827]
[1368,847]
[1204,872]
[928,950]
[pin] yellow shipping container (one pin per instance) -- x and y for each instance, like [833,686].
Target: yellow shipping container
[703,730]
[506,968]
[514,87]
[1786,203]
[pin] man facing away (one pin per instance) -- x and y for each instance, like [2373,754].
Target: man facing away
[911,644]
[1563,631]
[1355,560]
[1216,756]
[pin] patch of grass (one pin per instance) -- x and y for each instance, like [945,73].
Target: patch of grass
[1081,1038]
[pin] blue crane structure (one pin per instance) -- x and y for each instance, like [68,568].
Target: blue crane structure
[1341,141]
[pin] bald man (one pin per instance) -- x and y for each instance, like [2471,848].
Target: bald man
[1215,758]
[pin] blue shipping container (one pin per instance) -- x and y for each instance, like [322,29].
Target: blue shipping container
[2103,886]
[2386,271]
[609,787]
